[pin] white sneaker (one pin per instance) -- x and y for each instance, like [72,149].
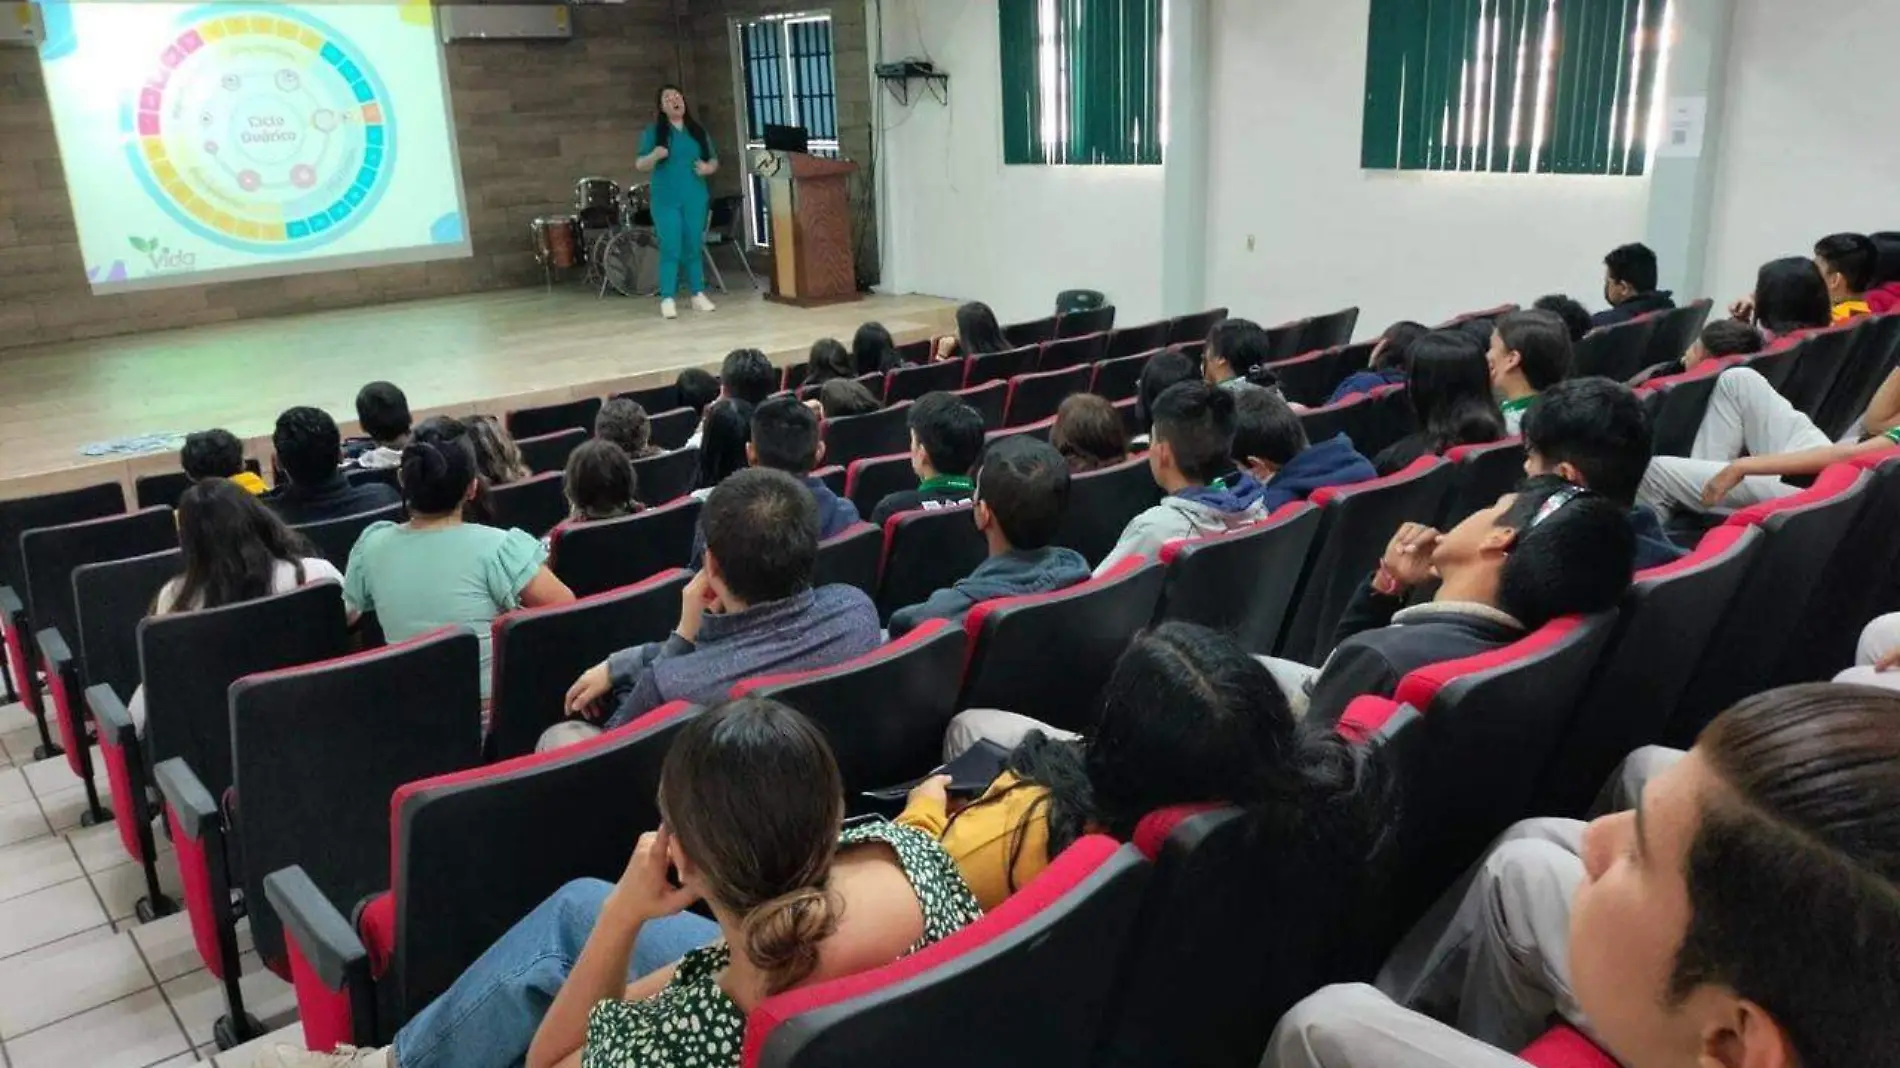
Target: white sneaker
[701,304]
[282,1056]
[668,309]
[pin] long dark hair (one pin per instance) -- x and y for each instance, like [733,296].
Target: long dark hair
[722,440]
[1394,349]
[1189,717]
[663,126]
[873,349]
[753,794]
[1790,295]
[1450,390]
[231,544]
[827,360]
[978,332]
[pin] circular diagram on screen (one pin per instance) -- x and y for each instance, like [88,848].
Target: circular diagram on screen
[262,130]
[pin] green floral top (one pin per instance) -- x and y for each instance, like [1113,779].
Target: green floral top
[693,1024]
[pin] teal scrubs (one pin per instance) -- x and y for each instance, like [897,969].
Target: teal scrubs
[680,204]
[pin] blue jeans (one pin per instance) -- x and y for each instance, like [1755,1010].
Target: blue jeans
[488,1018]
[681,230]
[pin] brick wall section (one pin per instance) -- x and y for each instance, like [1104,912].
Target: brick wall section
[531,117]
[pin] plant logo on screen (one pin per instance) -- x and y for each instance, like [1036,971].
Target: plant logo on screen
[261,130]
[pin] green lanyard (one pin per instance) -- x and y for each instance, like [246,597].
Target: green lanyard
[956,483]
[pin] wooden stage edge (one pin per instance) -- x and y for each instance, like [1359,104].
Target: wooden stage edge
[480,354]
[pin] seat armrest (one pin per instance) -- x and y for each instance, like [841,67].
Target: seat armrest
[185,794]
[54,650]
[318,927]
[109,712]
[10,606]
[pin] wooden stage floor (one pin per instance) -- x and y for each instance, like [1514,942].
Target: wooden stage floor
[482,353]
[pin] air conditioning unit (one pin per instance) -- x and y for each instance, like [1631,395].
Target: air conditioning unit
[20,24]
[504,22]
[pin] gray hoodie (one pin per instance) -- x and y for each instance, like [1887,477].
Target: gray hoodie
[1012,574]
[1196,512]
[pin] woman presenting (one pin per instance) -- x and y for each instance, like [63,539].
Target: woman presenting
[679,155]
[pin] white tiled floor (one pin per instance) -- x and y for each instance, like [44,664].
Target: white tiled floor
[82,982]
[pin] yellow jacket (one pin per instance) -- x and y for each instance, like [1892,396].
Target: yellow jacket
[983,835]
[248,480]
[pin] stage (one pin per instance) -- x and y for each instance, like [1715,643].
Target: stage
[485,353]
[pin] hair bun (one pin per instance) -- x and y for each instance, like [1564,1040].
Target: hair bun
[782,936]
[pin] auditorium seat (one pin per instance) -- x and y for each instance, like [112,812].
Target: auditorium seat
[375,721]
[1039,430]
[1677,403]
[926,551]
[1189,329]
[1496,313]
[880,433]
[1776,363]
[334,538]
[1093,321]
[539,652]
[833,476]
[384,476]
[1241,582]
[988,399]
[1119,378]
[667,477]
[1100,505]
[49,556]
[548,418]
[1387,421]
[1615,352]
[850,558]
[793,375]
[1676,330]
[1467,741]
[672,428]
[610,553]
[1232,933]
[1480,475]
[910,383]
[1310,379]
[1822,357]
[655,399]
[23,514]
[1854,388]
[1135,340]
[533,504]
[1283,341]
[1803,531]
[1047,655]
[873,478]
[1331,420]
[1072,351]
[999,366]
[1034,332]
[189,661]
[1331,331]
[1663,628]
[1356,523]
[1563,1046]
[884,712]
[164,490]
[470,854]
[918,351]
[1034,972]
[1860,581]
[1033,398]
[548,452]
[109,599]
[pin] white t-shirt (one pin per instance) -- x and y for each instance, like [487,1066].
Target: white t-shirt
[283,579]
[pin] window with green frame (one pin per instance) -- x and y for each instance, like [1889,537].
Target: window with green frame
[1081,81]
[1515,86]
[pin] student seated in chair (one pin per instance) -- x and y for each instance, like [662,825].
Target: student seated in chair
[214,454]
[1530,352]
[382,411]
[620,974]
[1164,371]
[600,483]
[1595,433]
[1629,285]
[1389,365]
[1719,340]
[786,437]
[745,375]
[1550,549]
[1187,718]
[749,611]
[1270,444]
[1849,264]
[1236,356]
[309,448]
[946,437]
[1022,490]
[1752,479]
[1089,433]
[626,424]
[1576,317]
[1645,929]
[1191,462]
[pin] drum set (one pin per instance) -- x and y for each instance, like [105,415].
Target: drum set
[605,235]
[608,235]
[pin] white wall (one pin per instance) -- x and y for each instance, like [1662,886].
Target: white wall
[960,224]
[1289,85]
[1809,145]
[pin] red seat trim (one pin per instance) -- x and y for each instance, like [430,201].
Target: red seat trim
[325,1013]
[377,927]
[194,871]
[1172,550]
[1420,687]
[888,651]
[1713,544]
[1460,453]
[1326,495]
[1365,717]
[1833,482]
[1076,864]
[1564,1046]
[1156,827]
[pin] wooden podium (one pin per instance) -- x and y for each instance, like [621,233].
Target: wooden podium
[813,262]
